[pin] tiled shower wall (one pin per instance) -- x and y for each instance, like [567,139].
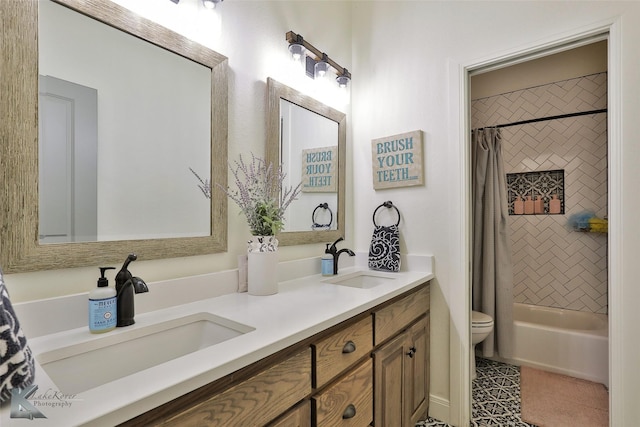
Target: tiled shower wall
[555,266]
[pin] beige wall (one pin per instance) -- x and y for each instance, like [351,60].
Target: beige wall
[578,62]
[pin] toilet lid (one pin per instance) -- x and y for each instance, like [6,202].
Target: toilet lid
[479,318]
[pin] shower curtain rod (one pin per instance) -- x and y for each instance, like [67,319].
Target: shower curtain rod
[542,119]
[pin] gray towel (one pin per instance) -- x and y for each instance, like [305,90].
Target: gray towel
[16,361]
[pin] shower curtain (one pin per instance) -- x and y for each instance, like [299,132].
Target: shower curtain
[492,279]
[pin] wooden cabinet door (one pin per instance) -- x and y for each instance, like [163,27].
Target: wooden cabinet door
[388,365]
[401,372]
[416,371]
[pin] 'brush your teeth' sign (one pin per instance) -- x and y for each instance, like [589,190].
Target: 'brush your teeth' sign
[397,160]
[319,167]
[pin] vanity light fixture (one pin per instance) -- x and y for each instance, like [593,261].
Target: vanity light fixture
[210,4]
[296,48]
[317,62]
[344,78]
[321,67]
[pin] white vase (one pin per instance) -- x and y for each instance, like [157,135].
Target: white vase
[262,265]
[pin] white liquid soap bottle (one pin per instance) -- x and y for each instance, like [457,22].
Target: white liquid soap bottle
[327,262]
[102,305]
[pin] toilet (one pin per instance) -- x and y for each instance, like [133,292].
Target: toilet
[481,327]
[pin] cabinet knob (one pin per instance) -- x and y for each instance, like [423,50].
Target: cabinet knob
[411,352]
[349,347]
[350,412]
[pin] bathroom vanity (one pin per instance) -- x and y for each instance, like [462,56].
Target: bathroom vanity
[327,379]
[322,351]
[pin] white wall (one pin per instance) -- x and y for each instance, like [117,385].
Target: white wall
[406,59]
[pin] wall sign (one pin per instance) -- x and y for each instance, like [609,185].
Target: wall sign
[319,170]
[397,160]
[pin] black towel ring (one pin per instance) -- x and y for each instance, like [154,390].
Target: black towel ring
[315,225]
[388,204]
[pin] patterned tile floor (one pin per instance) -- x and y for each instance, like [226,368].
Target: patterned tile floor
[496,397]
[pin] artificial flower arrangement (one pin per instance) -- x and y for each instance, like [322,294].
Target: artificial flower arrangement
[260,194]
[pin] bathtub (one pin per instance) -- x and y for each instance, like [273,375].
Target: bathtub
[568,342]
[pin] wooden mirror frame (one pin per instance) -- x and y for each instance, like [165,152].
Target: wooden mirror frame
[20,250]
[275,92]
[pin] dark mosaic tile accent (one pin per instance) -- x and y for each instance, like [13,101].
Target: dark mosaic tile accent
[431,422]
[536,184]
[496,397]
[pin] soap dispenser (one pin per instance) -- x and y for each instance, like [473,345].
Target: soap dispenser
[528,206]
[102,305]
[554,205]
[327,262]
[538,205]
[518,206]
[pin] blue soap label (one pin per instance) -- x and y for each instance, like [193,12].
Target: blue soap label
[102,314]
[327,267]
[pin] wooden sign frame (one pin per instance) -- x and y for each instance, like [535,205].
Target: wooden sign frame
[397,160]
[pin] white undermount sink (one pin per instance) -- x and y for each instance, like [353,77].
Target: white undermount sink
[363,279]
[83,366]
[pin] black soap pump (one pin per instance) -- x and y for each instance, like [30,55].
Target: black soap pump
[102,305]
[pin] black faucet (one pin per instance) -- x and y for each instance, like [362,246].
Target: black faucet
[126,284]
[336,254]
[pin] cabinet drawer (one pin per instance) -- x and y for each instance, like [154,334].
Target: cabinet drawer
[300,416]
[349,402]
[393,318]
[257,400]
[340,350]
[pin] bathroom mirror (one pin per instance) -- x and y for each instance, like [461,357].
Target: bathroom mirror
[21,246]
[308,138]
[107,98]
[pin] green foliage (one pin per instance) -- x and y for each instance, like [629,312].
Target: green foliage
[268,221]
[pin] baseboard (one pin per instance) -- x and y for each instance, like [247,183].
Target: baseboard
[439,408]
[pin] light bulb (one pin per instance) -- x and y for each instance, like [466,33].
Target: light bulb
[321,67]
[343,80]
[210,4]
[296,50]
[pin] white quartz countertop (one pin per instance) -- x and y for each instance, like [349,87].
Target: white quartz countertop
[302,307]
